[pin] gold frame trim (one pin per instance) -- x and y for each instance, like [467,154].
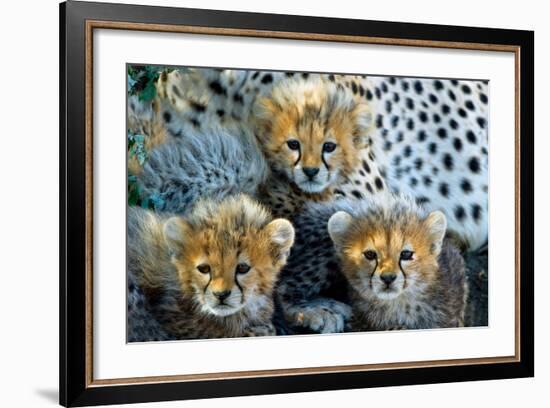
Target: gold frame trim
[100,24]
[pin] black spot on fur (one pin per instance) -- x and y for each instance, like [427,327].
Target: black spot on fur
[384,87]
[410,124]
[378,183]
[220,113]
[407,151]
[368,94]
[474,165]
[462,113]
[418,87]
[457,143]
[466,186]
[432,148]
[369,187]
[460,214]
[483,98]
[452,95]
[394,120]
[444,189]
[453,124]
[438,85]
[167,116]
[427,181]
[238,98]
[255,75]
[305,75]
[197,107]
[471,137]
[396,97]
[176,91]
[354,87]
[445,109]
[448,161]
[422,135]
[466,89]
[404,85]
[469,105]
[423,116]
[442,133]
[433,99]
[418,163]
[421,201]
[379,121]
[481,122]
[267,79]
[217,88]
[436,118]
[377,92]
[413,181]
[409,103]
[357,194]
[366,166]
[476,212]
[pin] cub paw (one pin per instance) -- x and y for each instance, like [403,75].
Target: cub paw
[320,315]
[260,330]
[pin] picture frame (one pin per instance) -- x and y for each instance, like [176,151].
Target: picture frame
[78,20]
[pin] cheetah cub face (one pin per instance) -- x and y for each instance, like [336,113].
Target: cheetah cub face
[229,255]
[388,250]
[311,131]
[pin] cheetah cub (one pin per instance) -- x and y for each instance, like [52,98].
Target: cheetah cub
[311,132]
[403,274]
[211,273]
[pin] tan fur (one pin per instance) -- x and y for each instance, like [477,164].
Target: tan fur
[172,255]
[312,112]
[427,290]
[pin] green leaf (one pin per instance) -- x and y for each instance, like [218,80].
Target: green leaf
[148,92]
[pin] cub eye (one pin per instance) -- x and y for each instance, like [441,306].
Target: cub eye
[370,255]
[406,255]
[242,268]
[204,268]
[293,144]
[329,147]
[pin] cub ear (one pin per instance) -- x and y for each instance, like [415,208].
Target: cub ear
[338,225]
[436,223]
[281,233]
[363,120]
[175,232]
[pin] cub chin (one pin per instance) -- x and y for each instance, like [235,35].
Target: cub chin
[402,273]
[211,273]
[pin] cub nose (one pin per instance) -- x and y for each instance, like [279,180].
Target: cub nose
[388,278]
[310,172]
[222,295]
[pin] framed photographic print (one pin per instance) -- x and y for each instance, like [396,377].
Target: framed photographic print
[255,203]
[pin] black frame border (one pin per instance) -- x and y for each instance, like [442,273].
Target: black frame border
[73,388]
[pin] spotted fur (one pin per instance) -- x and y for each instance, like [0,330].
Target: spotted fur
[210,274]
[401,272]
[429,138]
